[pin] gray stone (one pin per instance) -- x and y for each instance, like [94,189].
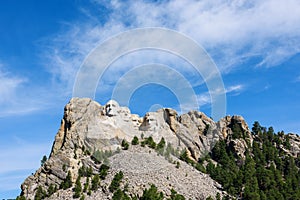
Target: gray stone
[87,126]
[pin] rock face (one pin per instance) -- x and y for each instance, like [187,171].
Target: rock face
[227,126]
[87,126]
[294,141]
[143,167]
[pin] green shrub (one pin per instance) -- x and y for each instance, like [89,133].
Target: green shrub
[177,165]
[184,157]
[51,190]
[78,188]
[115,183]
[124,144]
[40,194]
[44,159]
[82,197]
[103,171]
[152,194]
[120,195]
[135,141]
[20,198]
[150,142]
[67,183]
[175,196]
[161,144]
[86,184]
[95,182]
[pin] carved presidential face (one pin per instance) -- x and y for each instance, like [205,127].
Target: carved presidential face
[150,122]
[136,120]
[111,108]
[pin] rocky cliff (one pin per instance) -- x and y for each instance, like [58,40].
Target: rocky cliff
[88,128]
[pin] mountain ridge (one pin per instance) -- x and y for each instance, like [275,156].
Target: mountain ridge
[88,127]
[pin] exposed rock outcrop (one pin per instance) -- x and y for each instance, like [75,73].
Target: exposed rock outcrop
[87,126]
[295,144]
[142,167]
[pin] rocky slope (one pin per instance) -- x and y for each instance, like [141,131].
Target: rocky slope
[142,167]
[88,127]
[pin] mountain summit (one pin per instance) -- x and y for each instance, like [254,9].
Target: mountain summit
[105,152]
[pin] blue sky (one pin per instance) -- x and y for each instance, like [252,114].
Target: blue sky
[255,45]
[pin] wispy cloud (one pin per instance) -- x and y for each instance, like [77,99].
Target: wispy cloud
[154,73]
[238,28]
[205,98]
[9,85]
[231,31]
[235,89]
[64,53]
[18,96]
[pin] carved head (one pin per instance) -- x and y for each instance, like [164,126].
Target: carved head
[150,122]
[136,120]
[111,108]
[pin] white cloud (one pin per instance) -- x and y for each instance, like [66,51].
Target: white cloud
[236,28]
[65,53]
[18,97]
[9,85]
[231,31]
[124,64]
[154,73]
[268,29]
[205,98]
[235,89]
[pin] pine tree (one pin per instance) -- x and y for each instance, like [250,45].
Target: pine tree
[67,183]
[175,196]
[40,194]
[150,142]
[103,171]
[184,157]
[82,197]
[20,198]
[135,141]
[115,183]
[256,129]
[237,131]
[51,190]
[95,182]
[120,195]
[44,159]
[152,194]
[161,143]
[78,188]
[86,184]
[89,171]
[125,144]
